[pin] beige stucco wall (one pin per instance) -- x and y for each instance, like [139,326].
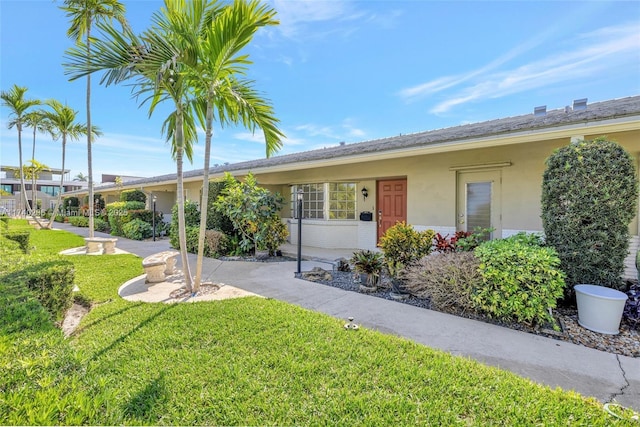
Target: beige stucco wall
[431,181]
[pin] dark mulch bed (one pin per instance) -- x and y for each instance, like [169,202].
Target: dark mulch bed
[626,343]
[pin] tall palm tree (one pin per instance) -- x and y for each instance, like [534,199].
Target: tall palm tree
[14,100]
[37,121]
[64,127]
[83,14]
[215,78]
[156,62]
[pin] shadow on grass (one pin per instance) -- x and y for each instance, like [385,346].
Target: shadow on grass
[142,404]
[82,328]
[133,330]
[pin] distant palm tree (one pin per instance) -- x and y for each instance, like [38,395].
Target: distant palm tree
[64,126]
[83,14]
[80,177]
[33,171]
[37,121]
[14,100]
[215,78]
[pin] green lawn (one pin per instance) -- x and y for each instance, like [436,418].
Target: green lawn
[248,361]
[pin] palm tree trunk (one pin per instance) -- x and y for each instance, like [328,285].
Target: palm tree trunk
[204,203]
[182,233]
[33,175]
[23,191]
[59,199]
[89,133]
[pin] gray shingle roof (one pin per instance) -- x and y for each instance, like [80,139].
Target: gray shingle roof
[598,111]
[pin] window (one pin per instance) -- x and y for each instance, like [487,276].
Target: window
[8,188]
[334,200]
[51,190]
[312,201]
[342,200]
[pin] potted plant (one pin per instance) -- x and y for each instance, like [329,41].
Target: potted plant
[369,264]
[402,246]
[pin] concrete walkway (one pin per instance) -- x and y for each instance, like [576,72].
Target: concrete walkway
[607,377]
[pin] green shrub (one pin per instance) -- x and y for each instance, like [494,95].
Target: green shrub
[137,230]
[253,210]
[70,204]
[192,238]
[133,196]
[402,246]
[218,220]
[447,279]
[100,224]
[21,237]
[52,283]
[119,213]
[589,197]
[192,219]
[79,221]
[145,215]
[520,281]
[215,243]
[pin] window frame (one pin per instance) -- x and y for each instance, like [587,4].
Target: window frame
[347,212]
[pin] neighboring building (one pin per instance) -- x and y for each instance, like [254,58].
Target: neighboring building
[47,188]
[481,174]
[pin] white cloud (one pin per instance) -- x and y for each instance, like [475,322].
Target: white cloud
[294,15]
[602,49]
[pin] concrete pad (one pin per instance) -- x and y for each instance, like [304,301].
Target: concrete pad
[137,290]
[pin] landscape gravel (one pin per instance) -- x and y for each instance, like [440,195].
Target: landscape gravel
[626,343]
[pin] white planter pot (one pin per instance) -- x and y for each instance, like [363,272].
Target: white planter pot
[600,308]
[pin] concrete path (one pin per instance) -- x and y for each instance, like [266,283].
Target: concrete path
[607,377]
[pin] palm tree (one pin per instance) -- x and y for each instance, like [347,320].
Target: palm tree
[84,13]
[166,61]
[64,126]
[33,171]
[80,177]
[14,99]
[37,121]
[156,61]
[215,78]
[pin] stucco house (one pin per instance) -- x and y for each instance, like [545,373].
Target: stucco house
[481,174]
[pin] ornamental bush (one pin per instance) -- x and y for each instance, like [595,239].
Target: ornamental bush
[137,229]
[589,197]
[447,279]
[402,246]
[133,196]
[253,211]
[521,281]
[191,218]
[119,213]
[216,219]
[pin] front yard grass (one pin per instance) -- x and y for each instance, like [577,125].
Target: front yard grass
[248,361]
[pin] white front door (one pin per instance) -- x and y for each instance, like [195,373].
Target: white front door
[479,202]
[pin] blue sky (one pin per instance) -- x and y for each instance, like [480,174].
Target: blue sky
[343,71]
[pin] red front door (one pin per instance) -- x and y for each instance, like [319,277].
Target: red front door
[392,204]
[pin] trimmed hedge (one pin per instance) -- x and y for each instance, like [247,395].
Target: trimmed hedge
[21,237]
[52,283]
[589,197]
